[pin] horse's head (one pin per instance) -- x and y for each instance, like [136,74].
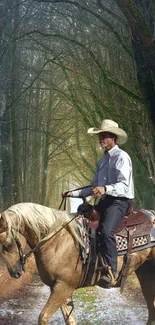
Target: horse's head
[11,244]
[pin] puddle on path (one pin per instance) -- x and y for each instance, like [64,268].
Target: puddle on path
[93,306]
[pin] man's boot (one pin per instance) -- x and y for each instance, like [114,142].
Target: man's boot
[108,279]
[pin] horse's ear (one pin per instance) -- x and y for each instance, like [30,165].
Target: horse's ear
[3,221]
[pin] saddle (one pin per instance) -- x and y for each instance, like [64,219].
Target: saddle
[136,219]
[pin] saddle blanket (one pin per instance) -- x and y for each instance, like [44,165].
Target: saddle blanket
[139,243]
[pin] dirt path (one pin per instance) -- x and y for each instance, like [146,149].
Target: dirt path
[92,305]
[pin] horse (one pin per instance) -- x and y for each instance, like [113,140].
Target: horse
[55,240]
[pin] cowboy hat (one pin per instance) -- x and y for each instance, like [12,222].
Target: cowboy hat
[111,127]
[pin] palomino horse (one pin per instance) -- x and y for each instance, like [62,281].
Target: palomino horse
[53,237]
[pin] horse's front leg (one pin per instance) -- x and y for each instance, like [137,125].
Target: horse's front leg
[60,292]
[146,277]
[68,312]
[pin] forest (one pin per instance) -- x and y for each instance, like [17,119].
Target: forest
[65,66]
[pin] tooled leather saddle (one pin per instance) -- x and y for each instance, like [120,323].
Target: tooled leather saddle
[137,220]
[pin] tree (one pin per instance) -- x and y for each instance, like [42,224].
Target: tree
[141,17]
[140,37]
[73,66]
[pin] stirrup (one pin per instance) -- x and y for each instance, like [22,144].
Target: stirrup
[113,280]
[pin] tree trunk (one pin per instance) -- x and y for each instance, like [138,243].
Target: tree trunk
[14,136]
[141,22]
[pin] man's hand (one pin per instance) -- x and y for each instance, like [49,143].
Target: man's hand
[67,194]
[98,190]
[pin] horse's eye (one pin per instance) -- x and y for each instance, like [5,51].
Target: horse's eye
[8,247]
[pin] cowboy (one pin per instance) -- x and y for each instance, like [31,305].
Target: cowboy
[113,184]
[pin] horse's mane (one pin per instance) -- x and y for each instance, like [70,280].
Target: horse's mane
[44,221]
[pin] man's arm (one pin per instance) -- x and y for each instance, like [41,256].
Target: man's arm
[124,178]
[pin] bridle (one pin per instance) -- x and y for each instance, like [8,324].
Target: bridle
[22,256]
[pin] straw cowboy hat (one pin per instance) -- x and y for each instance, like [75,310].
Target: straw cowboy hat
[112,127]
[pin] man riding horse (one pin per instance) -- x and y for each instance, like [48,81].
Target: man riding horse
[113,183]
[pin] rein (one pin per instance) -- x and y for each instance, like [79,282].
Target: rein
[23,257]
[33,250]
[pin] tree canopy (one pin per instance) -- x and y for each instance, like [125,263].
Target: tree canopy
[66,65]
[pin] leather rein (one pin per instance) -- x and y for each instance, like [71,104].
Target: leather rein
[23,257]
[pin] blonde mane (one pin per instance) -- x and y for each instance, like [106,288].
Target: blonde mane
[44,221]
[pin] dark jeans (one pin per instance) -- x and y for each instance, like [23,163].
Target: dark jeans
[111,209]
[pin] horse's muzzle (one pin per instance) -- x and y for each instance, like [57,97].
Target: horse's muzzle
[16,274]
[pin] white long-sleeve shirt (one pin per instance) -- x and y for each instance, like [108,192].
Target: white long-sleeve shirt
[114,171]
